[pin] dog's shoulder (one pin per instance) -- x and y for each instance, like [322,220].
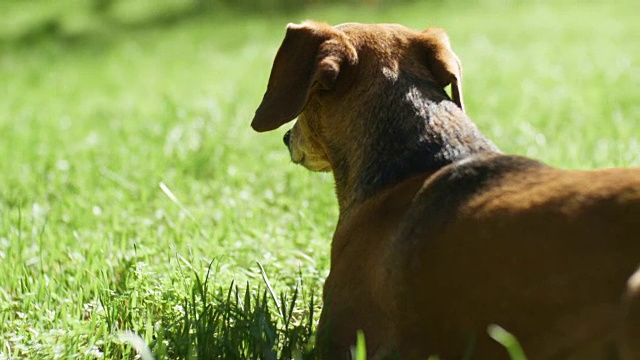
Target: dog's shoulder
[448,190]
[453,184]
[476,172]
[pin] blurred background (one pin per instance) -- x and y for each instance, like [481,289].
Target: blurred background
[545,51]
[127,163]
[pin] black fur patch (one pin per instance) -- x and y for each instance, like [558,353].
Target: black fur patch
[413,129]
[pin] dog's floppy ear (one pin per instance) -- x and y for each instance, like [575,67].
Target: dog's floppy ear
[443,62]
[308,59]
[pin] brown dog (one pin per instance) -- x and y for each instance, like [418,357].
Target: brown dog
[439,233]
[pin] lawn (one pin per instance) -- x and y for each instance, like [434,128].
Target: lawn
[135,197]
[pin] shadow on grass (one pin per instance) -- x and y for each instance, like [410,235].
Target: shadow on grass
[102,21]
[105,16]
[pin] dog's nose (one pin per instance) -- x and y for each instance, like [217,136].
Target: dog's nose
[286,138]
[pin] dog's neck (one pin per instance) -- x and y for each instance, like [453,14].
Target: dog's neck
[411,130]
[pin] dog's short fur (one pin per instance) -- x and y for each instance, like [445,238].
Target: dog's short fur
[439,233]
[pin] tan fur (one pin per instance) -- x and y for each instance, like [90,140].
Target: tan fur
[441,235]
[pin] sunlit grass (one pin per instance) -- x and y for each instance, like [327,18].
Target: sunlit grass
[129,168]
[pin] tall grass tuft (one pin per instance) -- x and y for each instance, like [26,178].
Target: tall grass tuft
[235,323]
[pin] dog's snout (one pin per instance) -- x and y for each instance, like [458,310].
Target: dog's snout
[286,138]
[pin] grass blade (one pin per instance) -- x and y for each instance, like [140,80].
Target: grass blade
[360,350]
[137,343]
[271,292]
[507,340]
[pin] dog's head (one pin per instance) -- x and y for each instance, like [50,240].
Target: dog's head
[326,75]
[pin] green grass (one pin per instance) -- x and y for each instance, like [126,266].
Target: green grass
[135,197]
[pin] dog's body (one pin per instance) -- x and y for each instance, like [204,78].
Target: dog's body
[440,235]
[494,239]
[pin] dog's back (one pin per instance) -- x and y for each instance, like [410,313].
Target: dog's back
[506,240]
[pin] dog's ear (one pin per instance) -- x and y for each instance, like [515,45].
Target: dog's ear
[443,62]
[309,59]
